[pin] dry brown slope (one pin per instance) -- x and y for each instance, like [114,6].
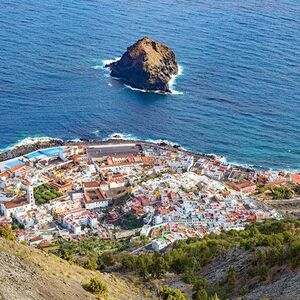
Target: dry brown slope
[27,273]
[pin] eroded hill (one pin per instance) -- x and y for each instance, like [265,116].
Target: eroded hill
[28,273]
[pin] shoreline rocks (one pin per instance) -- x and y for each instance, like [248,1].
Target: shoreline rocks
[146,65]
[25,149]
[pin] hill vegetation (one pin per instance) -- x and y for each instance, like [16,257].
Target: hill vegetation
[44,193]
[28,273]
[261,261]
[262,248]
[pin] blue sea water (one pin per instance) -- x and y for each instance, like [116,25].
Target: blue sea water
[239,90]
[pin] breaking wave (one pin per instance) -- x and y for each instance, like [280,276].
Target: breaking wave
[172,83]
[29,141]
[130,137]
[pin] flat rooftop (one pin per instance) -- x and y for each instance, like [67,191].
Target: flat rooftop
[106,150]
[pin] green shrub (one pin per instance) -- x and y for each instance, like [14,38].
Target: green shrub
[170,294]
[7,233]
[96,287]
[281,192]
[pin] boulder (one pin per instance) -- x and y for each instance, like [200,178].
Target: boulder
[146,65]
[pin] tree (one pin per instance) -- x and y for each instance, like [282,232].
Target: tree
[231,278]
[159,266]
[107,259]
[294,253]
[281,192]
[96,287]
[64,253]
[91,261]
[214,297]
[200,284]
[263,272]
[188,277]
[200,295]
[170,294]
[7,233]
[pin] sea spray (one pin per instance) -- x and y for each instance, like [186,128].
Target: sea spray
[29,141]
[172,82]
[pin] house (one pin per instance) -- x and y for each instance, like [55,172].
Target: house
[75,219]
[116,180]
[94,198]
[93,195]
[62,186]
[295,178]
[246,187]
[13,207]
[159,244]
[158,219]
[35,241]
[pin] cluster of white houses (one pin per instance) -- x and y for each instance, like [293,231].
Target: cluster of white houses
[165,186]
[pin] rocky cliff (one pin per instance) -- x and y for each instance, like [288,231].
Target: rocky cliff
[146,65]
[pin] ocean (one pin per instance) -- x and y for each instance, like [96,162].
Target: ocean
[238,94]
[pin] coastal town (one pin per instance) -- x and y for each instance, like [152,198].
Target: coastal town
[164,192]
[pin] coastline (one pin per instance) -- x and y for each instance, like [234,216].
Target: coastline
[21,149]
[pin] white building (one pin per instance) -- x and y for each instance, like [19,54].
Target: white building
[11,208]
[159,244]
[74,220]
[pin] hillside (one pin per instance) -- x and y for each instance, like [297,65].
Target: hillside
[260,262]
[28,273]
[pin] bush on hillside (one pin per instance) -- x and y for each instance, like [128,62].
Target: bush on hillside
[96,287]
[7,233]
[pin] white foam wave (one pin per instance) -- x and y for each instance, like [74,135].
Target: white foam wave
[29,141]
[109,61]
[121,136]
[173,92]
[172,85]
[76,140]
[103,63]
[172,82]
[136,89]
[126,136]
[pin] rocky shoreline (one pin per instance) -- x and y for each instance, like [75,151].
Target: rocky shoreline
[25,149]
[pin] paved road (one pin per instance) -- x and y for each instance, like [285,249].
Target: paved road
[283,201]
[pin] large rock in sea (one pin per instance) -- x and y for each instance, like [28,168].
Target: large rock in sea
[146,65]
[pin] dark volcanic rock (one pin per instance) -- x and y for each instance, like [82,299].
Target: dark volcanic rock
[22,150]
[146,65]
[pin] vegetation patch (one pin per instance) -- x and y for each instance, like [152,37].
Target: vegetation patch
[7,233]
[130,221]
[91,253]
[44,193]
[171,294]
[280,192]
[269,245]
[96,287]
